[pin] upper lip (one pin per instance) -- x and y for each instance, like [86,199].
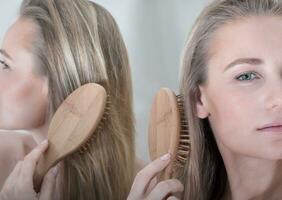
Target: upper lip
[273,124]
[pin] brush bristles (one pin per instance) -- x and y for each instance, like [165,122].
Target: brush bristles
[85,147]
[184,141]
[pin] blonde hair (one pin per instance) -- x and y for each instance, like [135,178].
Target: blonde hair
[79,42]
[205,175]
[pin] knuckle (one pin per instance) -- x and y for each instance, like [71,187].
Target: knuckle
[178,185]
[32,155]
[155,164]
[28,157]
[19,163]
[140,175]
[165,185]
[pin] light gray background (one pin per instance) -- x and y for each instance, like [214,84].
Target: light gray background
[154,32]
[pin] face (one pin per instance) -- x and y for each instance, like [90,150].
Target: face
[244,89]
[23,93]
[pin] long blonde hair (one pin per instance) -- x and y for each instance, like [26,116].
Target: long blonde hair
[205,175]
[79,42]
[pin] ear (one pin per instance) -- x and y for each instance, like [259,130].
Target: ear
[202,103]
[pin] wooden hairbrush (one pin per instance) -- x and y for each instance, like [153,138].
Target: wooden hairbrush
[72,126]
[168,132]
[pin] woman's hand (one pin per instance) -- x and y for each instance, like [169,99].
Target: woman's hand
[19,184]
[144,188]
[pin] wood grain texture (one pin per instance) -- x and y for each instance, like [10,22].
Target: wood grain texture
[164,129]
[72,125]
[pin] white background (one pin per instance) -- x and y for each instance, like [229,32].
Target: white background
[154,32]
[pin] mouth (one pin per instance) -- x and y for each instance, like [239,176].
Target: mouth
[275,128]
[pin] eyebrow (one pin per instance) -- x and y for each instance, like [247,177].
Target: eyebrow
[4,53]
[251,61]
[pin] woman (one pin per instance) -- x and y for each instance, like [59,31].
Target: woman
[231,81]
[54,47]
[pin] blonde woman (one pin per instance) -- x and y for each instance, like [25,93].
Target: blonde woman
[54,47]
[232,85]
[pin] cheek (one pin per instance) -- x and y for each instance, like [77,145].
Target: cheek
[22,91]
[232,110]
[232,118]
[23,103]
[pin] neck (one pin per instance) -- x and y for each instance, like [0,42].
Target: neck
[39,134]
[252,178]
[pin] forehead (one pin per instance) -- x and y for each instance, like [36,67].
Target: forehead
[20,35]
[256,36]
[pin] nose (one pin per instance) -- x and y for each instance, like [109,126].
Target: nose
[274,95]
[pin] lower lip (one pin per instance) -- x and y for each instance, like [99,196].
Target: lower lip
[275,129]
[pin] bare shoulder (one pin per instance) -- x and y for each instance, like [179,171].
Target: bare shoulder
[15,143]
[13,147]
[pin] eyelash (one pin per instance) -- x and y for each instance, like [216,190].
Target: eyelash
[5,65]
[244,74]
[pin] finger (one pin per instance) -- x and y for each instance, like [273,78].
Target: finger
[172,198]
[152,185]
[164,188]
[48,184]
[144,177]
[32,158]
[17,169]
[13,177]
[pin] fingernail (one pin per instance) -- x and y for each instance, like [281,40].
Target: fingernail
[55,171]
[166,157]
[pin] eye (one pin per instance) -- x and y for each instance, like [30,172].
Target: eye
[248,76]
[4,65]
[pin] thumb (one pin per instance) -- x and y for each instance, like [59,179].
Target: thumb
[48,184]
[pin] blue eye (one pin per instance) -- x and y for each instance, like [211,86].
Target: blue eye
[249,76]
[4,65]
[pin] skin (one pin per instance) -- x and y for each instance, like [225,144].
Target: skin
[237,101]
[23,96]
[18,145]
[145,186]
[19,184]
[23,105]
[23,99]
[236,108]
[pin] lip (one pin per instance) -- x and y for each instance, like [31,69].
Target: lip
[272,127]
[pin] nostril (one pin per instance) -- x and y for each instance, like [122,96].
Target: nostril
[277,103]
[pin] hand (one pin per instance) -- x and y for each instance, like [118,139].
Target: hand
[19,184]
[143,187]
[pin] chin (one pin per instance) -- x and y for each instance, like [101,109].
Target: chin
[274,153]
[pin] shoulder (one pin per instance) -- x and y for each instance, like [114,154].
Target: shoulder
[13,147]
[15,144]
